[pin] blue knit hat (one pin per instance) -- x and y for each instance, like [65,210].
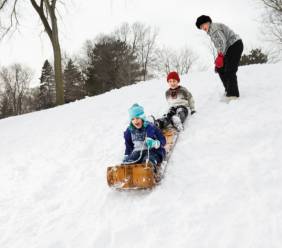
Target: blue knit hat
[136,111]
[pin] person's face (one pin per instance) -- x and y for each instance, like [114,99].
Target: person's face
[205,26]
[137,122]
[173,83]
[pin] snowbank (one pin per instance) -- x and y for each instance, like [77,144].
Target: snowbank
[222,187]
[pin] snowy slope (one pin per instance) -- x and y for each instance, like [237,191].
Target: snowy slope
[222,187]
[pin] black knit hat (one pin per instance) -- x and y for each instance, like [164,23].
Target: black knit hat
[202,19]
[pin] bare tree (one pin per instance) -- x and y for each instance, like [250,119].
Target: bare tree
[142,40]
[272,21]
[273,55]
[165,62]
[172,60]
[46,10]
[132,35]
[184,60]
[123,33]
[147,48]
[15,80]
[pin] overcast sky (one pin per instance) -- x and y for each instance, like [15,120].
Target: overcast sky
[84,19]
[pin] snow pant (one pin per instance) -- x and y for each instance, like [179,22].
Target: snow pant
[228,72]
[141,157]
[181,111]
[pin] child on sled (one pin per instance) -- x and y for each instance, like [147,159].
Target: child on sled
[143,141]
[180,100]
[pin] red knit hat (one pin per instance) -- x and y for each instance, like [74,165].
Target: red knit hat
[173,75]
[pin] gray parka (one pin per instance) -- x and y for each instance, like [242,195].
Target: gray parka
[222,37]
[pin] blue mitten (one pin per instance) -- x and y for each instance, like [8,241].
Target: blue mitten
[151,143]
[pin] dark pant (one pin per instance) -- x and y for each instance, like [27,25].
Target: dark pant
[228,72]
[181,111]
[137,157]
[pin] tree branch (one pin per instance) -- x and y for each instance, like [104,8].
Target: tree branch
[40,11]
[3,4]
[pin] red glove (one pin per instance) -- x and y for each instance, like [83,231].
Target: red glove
[219,60]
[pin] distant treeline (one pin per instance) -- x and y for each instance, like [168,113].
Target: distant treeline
[128,55]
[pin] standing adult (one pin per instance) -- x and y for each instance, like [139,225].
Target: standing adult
[229,47]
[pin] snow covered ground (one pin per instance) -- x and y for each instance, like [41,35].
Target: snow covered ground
[222,187]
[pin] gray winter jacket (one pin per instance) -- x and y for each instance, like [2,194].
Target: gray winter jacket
[222,37]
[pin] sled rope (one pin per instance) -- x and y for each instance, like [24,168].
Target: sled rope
[147,159]
[140,156]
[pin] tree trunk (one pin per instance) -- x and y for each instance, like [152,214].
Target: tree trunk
[53,34]
[57,63]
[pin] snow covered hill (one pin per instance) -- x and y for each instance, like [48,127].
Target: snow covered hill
[222,187]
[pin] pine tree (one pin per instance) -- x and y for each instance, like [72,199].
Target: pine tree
[47,88]
[74,83]
[256,56]
[111,65]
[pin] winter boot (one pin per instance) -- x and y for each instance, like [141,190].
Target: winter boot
[157,172]
[176,122]
[153,120]
[232,98]
[228,99]
[162,123]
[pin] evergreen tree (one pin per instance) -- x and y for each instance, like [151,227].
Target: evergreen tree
[47,88]
[111,65]
[74,83]
[256,56]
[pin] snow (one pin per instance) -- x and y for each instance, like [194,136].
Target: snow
[222,186]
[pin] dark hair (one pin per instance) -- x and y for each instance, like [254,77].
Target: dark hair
[202,19]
